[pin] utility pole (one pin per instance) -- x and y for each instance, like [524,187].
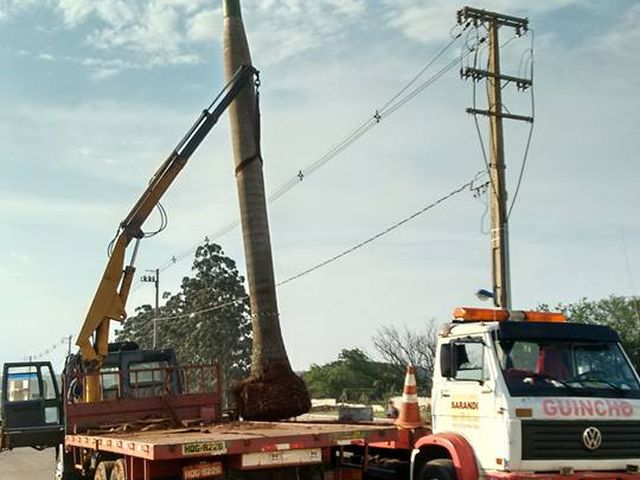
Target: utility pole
[496,81]
[155,279]
[68,338]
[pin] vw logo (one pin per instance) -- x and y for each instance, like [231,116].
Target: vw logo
[592,438]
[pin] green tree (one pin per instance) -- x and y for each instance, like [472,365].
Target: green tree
[618,312]
[353,375]
[208,320]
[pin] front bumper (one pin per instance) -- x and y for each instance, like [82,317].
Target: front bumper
[610,475]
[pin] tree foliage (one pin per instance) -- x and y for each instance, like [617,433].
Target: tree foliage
[401,347]
[618,312]
[208,320]
[353,376]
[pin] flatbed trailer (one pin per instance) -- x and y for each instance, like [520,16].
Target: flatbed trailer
[232,447]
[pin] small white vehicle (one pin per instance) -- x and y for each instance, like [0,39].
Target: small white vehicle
[528,396]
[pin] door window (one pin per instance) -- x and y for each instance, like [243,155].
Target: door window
[23,384]
[47,384]
[470,361]
[51,412]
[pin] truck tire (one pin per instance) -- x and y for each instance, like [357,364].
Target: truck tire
[119,470]
[103,472]
[438,469]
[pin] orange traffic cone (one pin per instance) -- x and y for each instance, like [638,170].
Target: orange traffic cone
[409,416]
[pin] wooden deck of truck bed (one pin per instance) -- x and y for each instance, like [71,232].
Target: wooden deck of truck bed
[233,438]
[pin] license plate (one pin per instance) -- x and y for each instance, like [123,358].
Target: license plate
[202,470]
[283,457]
[204,448]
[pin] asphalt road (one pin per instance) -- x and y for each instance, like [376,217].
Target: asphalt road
[27,464]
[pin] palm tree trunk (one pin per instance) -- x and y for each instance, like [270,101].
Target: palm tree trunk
[273,391]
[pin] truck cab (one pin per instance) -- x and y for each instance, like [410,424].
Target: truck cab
[525,394]
[127,372]
[35,405]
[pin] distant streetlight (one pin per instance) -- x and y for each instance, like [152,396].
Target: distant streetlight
[484,294]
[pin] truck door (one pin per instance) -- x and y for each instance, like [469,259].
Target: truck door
[466,401]
[31,406]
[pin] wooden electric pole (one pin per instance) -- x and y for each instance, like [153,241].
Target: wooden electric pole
[498,192]
[499,220]
[155,279]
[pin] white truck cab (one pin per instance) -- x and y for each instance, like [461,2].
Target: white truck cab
[528,395]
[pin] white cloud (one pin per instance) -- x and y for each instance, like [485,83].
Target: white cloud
[205,26]
[104,73]
[80,142]
[349,7]
[21,257]
[189,6]
[424,23]
[14,264]
[432,21]
[170,32]
[281,29]
[278,41]
[11,7]
[624,38]
[154,31]
[39,210]
[75,11]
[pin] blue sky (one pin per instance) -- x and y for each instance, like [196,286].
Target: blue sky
[94,94]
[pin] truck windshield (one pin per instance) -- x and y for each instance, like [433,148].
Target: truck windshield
[566,368]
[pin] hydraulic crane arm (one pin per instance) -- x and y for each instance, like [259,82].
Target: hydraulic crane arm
[111,296]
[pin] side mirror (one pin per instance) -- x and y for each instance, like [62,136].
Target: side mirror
[447,363]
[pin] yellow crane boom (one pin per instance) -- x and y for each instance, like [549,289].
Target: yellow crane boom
[111,295]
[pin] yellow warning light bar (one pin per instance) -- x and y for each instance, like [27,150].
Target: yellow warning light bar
[472,314]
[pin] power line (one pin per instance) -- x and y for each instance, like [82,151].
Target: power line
[204,310]
[466,186]
[530,135]
[64,341]
[523,61]
[397,101]
[469,185]
[477,58]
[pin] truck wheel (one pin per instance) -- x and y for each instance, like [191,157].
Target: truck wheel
[103,472]
[119,470]
[438,469]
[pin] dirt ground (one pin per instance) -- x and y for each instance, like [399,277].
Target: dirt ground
[27,464]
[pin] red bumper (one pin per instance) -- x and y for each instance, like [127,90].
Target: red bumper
[617,475]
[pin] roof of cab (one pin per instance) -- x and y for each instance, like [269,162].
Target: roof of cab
[537,331]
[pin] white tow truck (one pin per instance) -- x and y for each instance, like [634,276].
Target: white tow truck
[528,396]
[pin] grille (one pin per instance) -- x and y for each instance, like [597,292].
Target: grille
[560,440]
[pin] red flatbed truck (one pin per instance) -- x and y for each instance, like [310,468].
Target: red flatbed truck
[158,420]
